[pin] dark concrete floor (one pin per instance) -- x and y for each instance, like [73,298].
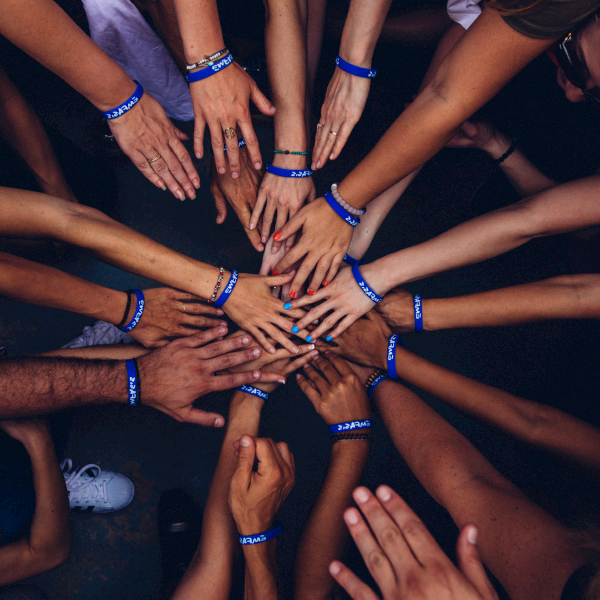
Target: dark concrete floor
[118,555]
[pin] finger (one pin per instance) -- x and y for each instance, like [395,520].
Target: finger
[233,359]
[309,389]
[341,327]
[262,340]
[330,136]
[262,102]
[342,137]
[233,151]
[185,160]
[326,367]
[265,453]
[160,168]
[294,365]
[234,380]
[333,269]
[292,226]
[199,308]
[321,270]
[205,419]
[244,215]
[247,451]
[341,366]
[469,561]
[247,130]
[217,143]
[258,207]
[204,337]
[279,337]
[220,204]
[199,125]
[286,455]
[316,378]
[268,221]
[282,217]
[357,589]
[176,169]
[303,272]
[313,314]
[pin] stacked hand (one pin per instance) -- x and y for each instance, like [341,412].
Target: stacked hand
[404,559]
[256,496]
[398,310]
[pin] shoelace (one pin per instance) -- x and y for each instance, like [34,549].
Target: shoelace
[84,491]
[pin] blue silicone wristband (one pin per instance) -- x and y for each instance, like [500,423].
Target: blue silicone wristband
[362,284]
[353,69]
[375,383]
[132,382]
[418,314]
[127,105]
[341,211]
[288,172]
[352,261]
[349,425]
[208,71]
[254,391]
[227,291]
[139,311]
[241,142]
[250,540]
[391,355]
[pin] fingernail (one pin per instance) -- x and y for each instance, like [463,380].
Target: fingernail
[164,188]
[325,283]
[295,349]
[328,338]
[223,324]
[311,347]
[334,568]
[193,196]
[222,330]
[275,273]
[260,247]
[361,495]
[272,350]
[292,294]
[256,352]
[287,306]
[274,250]
[318,164]
[218,422]
[220,312]
[257,165]
[472,535]
[245,340]
[309,338]
[235,175]
[383,493]
[331,156]
[198,155]
[221,170]
[263,239]
[295,329]
[298,376]
[244,442]
[315,354]
[251,226]
[180,195]
[196,183]
[311,292]
[256,374]
[277,235]
[351,517]
[281,380]
[313,166]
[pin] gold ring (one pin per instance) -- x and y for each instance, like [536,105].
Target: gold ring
[319,127]
[183,307]
[150,161]
[333,133]
[229,133]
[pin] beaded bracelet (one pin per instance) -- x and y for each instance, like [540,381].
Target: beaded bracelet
[350,425]
[208,60]
[341,211]
[510,150]
[353,211]
[249,389]
[139,311]
[218,286]
[241,142]
[353,436]
[250,540]
[289,152]
[228,289]
[418,314]
[122,321]
[375,383]
[391,355]
[362,284]
[133,382]
[127,105]
[288,172]
[208,71]
[353,69]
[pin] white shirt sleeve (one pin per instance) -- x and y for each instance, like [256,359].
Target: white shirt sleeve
[463,12]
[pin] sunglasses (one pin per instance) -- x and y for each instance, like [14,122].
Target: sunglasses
[574,68]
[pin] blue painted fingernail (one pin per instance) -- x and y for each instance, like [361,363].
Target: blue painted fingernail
[295,329]
[328,338]
[309,338]
[287,305]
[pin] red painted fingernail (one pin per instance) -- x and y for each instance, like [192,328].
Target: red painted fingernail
[277,235]
[275,273]
[292,294]
[311,292]
[325,283]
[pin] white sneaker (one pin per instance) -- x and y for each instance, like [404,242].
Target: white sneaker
[93,490]
[99,333]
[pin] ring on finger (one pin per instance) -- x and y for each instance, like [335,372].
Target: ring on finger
[334,133]
[184,308]
[319,126]
[151,160]
[229,133]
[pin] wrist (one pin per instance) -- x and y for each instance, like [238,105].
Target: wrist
[497,145]
[244,404]
[113,310]
[376,278]
[357,49]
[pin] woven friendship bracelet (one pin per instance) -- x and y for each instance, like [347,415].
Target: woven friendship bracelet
[250,540]
[353,437]
[510,150]
[208,71]
[290,152]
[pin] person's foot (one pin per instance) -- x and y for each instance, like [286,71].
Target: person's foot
[99,333]
[93,490]
[179,526]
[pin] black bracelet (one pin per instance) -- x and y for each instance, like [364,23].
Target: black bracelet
[138,381]
[511,149]
[336,437]
[128,292]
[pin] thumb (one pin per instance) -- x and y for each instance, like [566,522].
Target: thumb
[470,563]
[245,460]
[180,134]
[220,205]
[469,129]
[262,102]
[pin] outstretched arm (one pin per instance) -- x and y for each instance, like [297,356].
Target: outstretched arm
[49,542]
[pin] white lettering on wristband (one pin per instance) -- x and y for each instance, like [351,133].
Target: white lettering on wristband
[138,314]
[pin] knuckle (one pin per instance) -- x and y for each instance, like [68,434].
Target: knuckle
[390,535]
[376,560]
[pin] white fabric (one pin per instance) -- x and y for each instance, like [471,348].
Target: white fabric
[122,32]
[463,12]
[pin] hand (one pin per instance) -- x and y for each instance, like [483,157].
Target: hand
[344,103]
[398,311]
[269,262]
[365,341]
[336,392]
[144,132]
[253,307]
[222,101]
[343,297]
[26,430]
[240,192]
[255,496]
[173,376]
[325,240]
[404,559]
[168,313]
[473,135]
[286,195]
[286,366]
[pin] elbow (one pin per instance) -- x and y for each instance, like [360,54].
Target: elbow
[51,555]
